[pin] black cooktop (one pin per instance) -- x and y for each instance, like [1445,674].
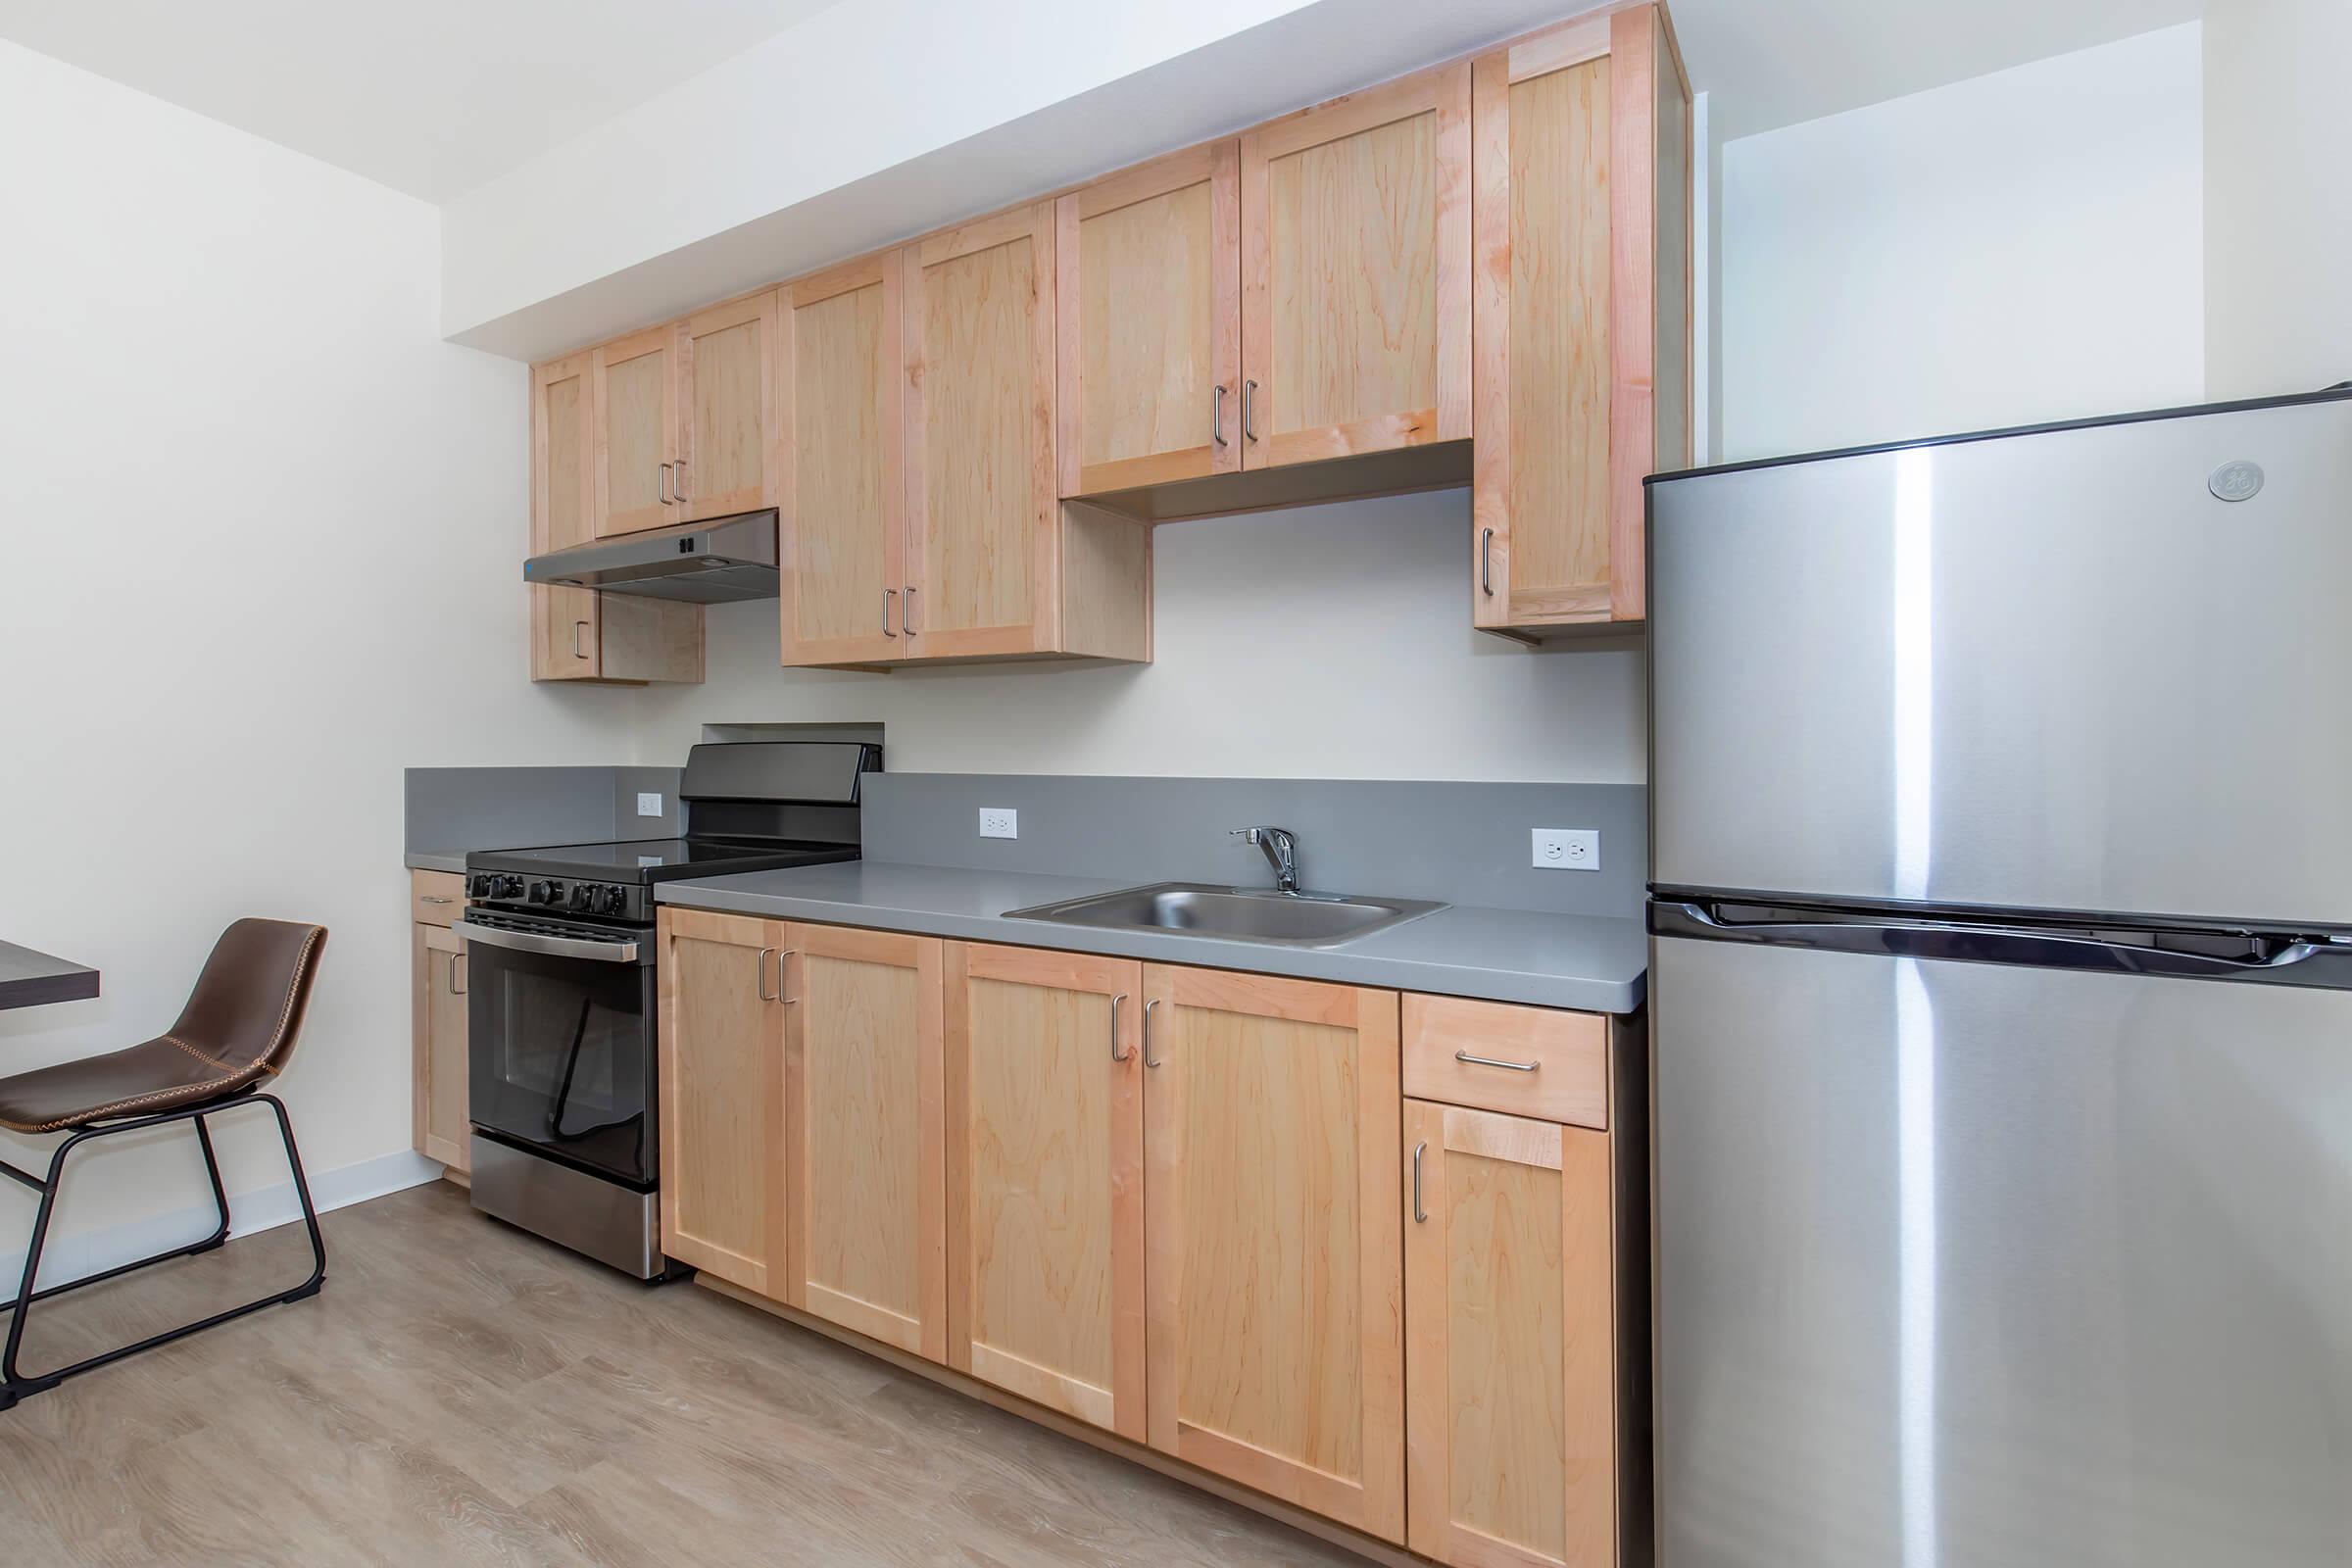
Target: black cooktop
[657,859]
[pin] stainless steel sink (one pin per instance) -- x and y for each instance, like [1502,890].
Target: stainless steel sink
[1235,915]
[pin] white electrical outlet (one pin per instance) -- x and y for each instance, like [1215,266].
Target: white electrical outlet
[649,803]
[1567,849]
[1000,823]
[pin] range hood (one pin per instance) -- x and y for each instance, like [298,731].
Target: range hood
[701,562]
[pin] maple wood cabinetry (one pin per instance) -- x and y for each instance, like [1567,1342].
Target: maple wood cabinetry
[865,1171]
[1045,1179]
[579,633]
[1581,206]
[1161,1203]
[439,1129]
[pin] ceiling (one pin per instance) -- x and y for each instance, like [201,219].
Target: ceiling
[437,97]
[432,97]
[1770,63]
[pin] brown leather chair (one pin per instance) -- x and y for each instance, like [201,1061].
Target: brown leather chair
[237,1032]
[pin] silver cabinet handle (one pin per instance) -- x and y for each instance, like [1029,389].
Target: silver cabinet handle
[906,621]
[677,482]
[1486,562]
[1420,1215]
[760,975]
[1492,1061]
[662,487]
[436,898]
[577,627]
[780,958]
[455,988]
[1249,399]
[1216,413]
[1114,1029]
[1148,1007]
[890,596]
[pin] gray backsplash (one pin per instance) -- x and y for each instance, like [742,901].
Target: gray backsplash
[1462,843]
[460,809]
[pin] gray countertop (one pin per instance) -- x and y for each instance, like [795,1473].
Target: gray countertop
[434,859]
[1595,963]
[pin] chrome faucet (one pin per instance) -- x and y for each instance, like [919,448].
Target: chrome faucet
[1282,853]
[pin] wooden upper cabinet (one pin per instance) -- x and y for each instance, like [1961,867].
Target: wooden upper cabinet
[1045,1179]
[636,431]
[1275,1349]
[981,493]
[1355,272]
[864,1121]
[727,459]
[565,624]
[1511,1365]
[721,1050]
[842,552]
[1148,300]
[1582,177]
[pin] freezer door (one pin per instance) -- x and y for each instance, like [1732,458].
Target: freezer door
[2052,670]
[1965,1264]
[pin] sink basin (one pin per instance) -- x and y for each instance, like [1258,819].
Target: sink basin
[1235,915]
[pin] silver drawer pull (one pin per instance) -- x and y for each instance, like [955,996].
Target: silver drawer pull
[435,898]
[1420,1215]
[1491,1061]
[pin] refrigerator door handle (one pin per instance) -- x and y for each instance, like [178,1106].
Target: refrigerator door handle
[1993,943]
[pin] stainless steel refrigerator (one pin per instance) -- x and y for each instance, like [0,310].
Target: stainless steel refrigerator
[2002,989]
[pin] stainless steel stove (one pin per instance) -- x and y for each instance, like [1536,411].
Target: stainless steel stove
[563,986]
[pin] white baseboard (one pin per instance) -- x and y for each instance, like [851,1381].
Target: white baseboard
[70,1257]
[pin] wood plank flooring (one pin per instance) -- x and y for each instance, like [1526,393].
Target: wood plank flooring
[461,1392]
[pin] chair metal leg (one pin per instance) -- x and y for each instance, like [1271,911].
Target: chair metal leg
[15,1384]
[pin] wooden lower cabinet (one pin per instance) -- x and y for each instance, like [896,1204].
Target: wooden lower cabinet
[437,1025]
[721,1048]
[865,1130]
[1045,1179]
[1275,1341]
[1510,1363]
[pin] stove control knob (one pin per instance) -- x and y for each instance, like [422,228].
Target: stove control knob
[478,885]
[583,896]
[506,887]
[546,892]
[613,900]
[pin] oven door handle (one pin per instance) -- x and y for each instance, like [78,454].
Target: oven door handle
[552,946]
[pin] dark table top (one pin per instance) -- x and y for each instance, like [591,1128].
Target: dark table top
[29,978]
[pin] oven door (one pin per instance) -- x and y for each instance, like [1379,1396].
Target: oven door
[561,1041]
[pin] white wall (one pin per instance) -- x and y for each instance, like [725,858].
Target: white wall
[1327,642]
[2024,246]
[257,553]
[2277,196]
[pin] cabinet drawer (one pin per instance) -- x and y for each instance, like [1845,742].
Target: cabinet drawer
[1562,1072]
[436,898]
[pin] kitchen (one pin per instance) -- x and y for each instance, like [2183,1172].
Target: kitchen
[1334,667]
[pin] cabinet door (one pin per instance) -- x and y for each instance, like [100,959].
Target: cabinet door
[1355,273]
[842,552]
[1511,1366]
[1045,1179]
[1148,294]
[866,1126]
[1582,217]
[723,1191]
[728,436]
[981,491]
[1276,1340]
[437,1020]
[565,622]
[635,386]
